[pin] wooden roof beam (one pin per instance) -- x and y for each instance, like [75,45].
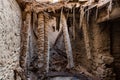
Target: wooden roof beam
[113,15]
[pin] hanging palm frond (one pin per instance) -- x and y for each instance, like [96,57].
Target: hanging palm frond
[46,44]
[67,41]
[40,42]
[74,23]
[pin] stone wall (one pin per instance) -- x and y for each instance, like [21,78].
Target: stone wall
[10,25]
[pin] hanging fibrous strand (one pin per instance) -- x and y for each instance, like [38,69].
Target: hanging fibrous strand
[32,64]
[46,44]
[97,10]
[88,15]
[85,29]
[58,23]
[67,41]
[82,13]
[109,7]
[73,23]
[28,18]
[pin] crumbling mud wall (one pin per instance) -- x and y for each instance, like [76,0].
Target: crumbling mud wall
[10,25]
[115,46]
[97,44]
[100,47]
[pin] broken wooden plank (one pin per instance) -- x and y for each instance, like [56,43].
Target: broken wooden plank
[60,52]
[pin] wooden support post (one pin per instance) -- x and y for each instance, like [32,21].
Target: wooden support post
[67,42]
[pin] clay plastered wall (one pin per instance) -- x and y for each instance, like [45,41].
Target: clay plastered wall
[10,23]
[101,56]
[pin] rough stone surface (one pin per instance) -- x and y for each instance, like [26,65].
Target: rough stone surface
[10,24]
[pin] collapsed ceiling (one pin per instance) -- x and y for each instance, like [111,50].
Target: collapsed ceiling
[37,55]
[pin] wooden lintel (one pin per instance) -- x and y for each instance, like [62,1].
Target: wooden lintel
[70,15]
